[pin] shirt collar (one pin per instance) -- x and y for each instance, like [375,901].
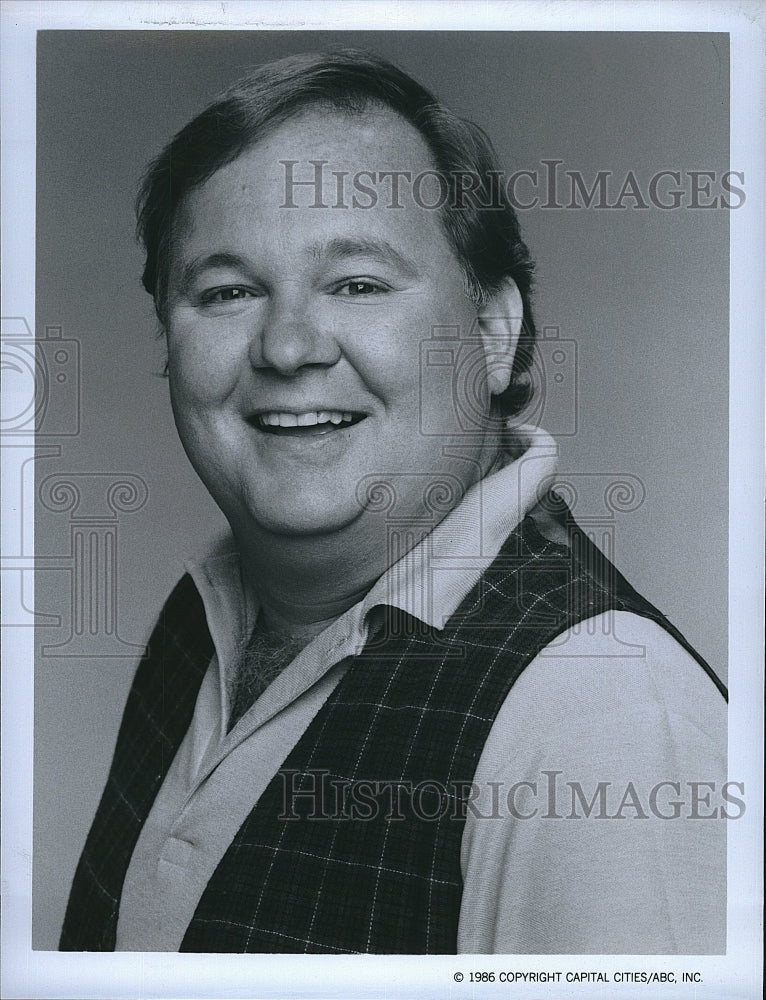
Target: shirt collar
[431,580]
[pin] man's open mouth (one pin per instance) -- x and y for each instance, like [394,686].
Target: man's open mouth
[308,423]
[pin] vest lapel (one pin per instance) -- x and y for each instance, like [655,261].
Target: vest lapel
[157,714]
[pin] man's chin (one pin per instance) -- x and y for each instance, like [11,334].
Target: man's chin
[300,520]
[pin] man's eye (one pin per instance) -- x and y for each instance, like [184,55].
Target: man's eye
[230,293]
[360,287]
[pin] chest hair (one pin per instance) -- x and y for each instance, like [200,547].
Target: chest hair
[262,659]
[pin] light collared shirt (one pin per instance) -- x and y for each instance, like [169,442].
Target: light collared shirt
[612,700]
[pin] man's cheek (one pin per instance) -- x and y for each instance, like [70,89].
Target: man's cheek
[198,376]
[436,397]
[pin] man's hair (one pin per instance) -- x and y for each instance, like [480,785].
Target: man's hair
[482,228]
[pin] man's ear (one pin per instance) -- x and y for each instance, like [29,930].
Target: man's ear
[499,324]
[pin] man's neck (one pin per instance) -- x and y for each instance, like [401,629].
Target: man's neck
[304,584]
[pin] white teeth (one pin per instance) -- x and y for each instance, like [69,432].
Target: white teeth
[279,418]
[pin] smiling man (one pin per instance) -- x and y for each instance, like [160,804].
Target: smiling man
[294,340]
[365,719]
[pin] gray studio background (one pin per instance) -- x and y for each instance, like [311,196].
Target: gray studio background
[642,293]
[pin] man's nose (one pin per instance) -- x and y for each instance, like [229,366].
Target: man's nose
[291,337]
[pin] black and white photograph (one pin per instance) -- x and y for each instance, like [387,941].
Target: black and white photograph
[382,474]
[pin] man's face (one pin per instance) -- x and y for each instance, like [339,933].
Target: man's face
[283,323]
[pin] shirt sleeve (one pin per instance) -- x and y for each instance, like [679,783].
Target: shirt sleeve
[598,816]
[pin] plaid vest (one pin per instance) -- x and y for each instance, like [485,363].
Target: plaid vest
[354,846]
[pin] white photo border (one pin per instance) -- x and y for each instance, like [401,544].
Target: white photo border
[28,973]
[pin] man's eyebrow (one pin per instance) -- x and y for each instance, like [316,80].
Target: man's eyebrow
[343,248]
[339,249]
[221,258]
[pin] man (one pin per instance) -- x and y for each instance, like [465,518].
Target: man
[401,708]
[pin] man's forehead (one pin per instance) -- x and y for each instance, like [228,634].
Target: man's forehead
[359,132]
[360,144]
[327,174]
